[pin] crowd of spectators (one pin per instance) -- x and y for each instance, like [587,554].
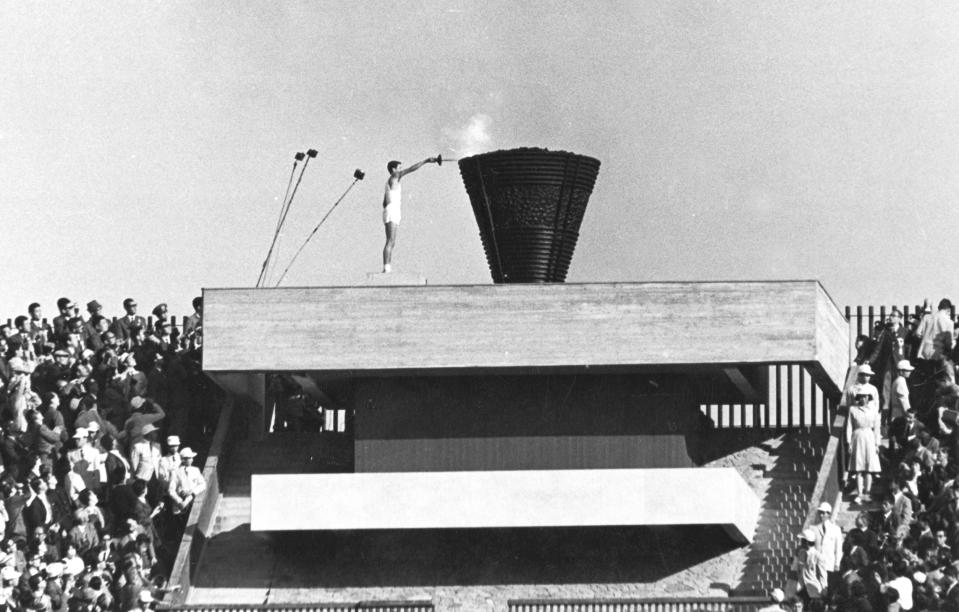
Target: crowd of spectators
[903,552]
[99,419]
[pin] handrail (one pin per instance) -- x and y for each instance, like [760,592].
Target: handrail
[832,472]
[203,512]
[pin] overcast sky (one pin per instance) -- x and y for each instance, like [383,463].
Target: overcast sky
[145,146]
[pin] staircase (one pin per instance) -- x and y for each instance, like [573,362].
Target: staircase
[791,476]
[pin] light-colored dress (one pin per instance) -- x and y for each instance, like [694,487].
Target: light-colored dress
[863,449]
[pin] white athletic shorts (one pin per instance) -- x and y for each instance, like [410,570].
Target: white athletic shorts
[391,213]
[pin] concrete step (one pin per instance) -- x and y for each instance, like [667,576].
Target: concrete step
[791,480]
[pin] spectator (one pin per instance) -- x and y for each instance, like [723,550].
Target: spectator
[37,511]
[96,328]
[193,322]
[899,396]
[809,568]
[83,537]
[937,340]
[168,464]
[72,340]
[39,331]
[950,594]
[145,454]
[40,440]
[121,327]
[67,310]
[94,311]
[72,397]
[145,412]
[187,482]
[861,435]
[829,542]
[888,351]
[160,313]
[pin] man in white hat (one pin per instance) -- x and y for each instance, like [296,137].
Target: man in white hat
[168,463]
[809,567]
[899,397]
[145,454]
[777,597]
[829,540]
[187,482]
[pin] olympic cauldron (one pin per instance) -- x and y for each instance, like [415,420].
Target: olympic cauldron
[529,204]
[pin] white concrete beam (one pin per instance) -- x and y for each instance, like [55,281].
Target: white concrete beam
[522,498]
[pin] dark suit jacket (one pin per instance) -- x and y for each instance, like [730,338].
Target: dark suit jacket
[899,432]
[16,528]
[121,327]
[60,325]
[35,515]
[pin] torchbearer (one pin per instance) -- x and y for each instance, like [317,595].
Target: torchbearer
[392,200]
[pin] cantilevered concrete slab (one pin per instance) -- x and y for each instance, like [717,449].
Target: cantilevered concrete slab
[528,498]
[395,329]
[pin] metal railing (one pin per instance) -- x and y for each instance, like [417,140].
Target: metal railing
[650,604]
[862,319]
[361,606]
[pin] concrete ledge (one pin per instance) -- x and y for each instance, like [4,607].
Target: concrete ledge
[521,498]
[395,279]
[404,328]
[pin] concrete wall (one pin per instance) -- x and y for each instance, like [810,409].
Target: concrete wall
[449,423]
[514,326]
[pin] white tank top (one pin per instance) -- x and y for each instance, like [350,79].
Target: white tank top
[394,195]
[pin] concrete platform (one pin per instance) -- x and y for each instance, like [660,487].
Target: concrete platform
[483,328]
[504,499]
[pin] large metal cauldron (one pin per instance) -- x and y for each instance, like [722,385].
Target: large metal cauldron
[529,204]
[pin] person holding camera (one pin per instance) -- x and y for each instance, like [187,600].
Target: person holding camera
[862,400]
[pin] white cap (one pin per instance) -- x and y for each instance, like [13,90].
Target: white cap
[81,432]
[54,570]
[173,440]
[905,365]
[187,453]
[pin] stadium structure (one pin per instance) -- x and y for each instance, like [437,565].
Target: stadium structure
[522,444]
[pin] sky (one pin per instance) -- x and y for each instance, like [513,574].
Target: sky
[145,147]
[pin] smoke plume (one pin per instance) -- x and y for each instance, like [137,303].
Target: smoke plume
[472,138]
